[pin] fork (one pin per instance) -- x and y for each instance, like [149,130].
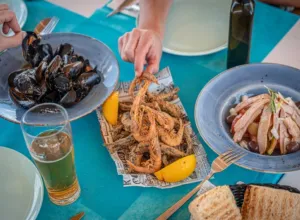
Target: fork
[46,26]
[219,164]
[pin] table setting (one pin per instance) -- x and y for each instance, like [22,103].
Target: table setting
[67,151]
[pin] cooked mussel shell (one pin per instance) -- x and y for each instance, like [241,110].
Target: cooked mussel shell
[73,69]
[66,59]
[69,99]
[25,82]
[20,99]
[52,97]
[54,65]
[81,93]
[87,80]
[45,52]
[29,46]
[61,83]
[12,76]
[64,49]
[43,92]
[87,66]
[52,70]
[40,72]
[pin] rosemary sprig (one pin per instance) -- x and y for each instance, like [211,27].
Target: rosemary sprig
[273,98]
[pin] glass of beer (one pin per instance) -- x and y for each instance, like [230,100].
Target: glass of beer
[47,132]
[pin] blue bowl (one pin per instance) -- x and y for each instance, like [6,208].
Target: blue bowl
[95,51]
[225,90]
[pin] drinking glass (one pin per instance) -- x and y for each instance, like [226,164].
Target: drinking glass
[48,136]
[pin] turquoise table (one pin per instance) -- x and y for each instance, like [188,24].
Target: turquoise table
[103,195]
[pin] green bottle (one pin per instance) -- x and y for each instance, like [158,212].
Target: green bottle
[240,31]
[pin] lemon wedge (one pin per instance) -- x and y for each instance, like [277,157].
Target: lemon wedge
[178,170]
[110,108]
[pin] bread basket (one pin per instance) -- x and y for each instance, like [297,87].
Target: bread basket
[238,191]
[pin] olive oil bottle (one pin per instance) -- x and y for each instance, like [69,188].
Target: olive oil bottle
[240,31]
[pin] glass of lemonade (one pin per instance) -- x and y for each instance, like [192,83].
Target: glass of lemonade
[47,132]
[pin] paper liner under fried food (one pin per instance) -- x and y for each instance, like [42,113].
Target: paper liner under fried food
[146,180]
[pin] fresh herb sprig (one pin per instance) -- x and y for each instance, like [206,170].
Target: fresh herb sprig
[273,95]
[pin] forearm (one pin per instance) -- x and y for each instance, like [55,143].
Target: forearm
[295,3]
[153,15]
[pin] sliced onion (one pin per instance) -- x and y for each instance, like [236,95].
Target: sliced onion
[279,95]
[275,134]
[232,111]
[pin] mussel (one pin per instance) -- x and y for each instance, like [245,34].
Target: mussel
[62,83]
[73,69]
[40,72]
[69,99]
[89,79]
[64,49]
[29,46]
[21,99]
[34,52]
[24,81]
[52,71]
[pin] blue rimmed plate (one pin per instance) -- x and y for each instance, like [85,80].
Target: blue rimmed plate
[225,90]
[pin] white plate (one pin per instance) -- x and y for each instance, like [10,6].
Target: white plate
[20,9]
[21,186]
[197,27]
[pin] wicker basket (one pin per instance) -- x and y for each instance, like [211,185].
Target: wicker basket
[239,190]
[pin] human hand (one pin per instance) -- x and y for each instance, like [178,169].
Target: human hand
[141,46]
[9,21]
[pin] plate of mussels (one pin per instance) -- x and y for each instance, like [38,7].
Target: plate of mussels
[73,70]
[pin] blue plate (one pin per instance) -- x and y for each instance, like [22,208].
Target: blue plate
[96,52]
[225,90]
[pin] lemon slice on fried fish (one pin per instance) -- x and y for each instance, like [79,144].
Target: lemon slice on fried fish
[110,108]
[178,170]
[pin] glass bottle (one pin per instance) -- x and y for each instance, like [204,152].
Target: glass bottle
[240,31]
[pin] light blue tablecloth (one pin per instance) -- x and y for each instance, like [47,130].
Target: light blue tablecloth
[103,195]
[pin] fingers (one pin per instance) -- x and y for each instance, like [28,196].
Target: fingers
[8,17]
[125,39]
[132,42]
[141,47]
[4,7]
[5,28]
[13,41]
[141,51]
[120,44]
[127,45]
[153,67]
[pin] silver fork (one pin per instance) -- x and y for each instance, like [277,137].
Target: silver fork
[50,26]
[219,164]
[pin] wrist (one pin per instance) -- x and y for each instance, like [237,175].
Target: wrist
[158,29]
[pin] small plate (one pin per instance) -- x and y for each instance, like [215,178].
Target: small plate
[225,90]
[21,191]
[197,27]
[20,9]
[95,51]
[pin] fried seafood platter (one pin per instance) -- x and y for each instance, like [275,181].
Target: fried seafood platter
[152,132]
[266,124]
